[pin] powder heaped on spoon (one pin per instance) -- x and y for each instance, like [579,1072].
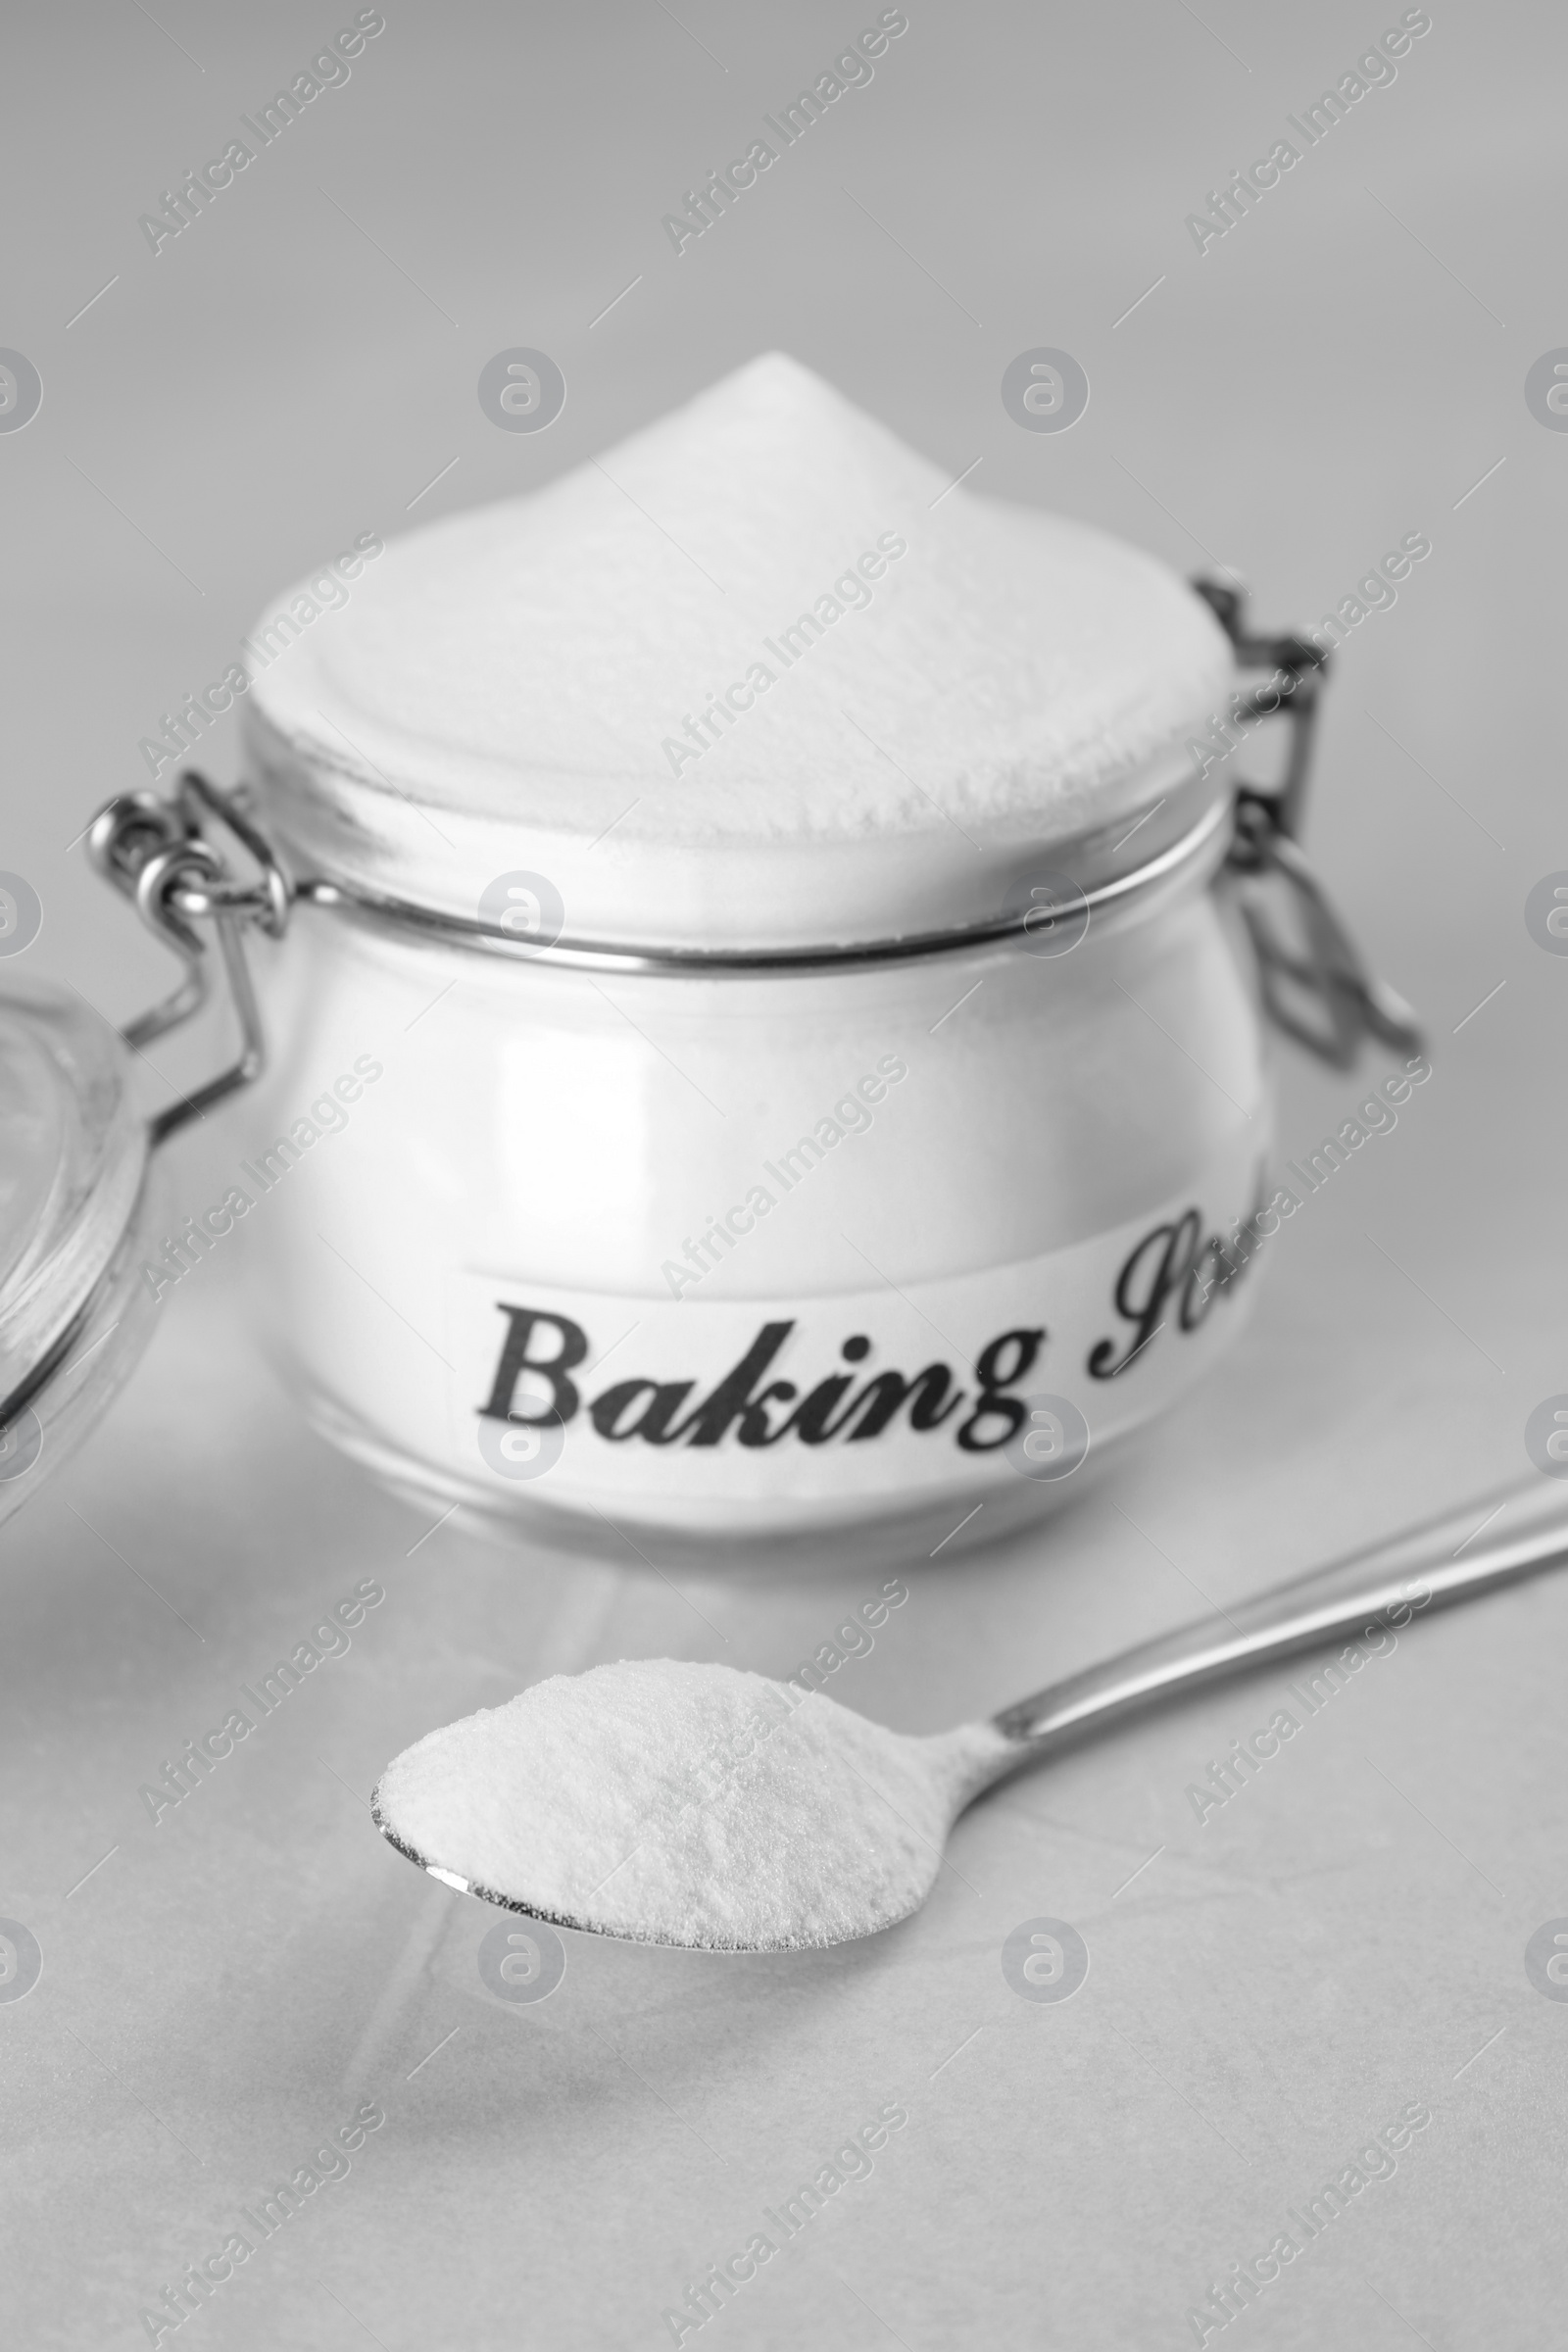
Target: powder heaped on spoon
[675,1803]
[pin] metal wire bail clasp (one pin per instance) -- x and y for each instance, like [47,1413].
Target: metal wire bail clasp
[1321,992]
[157,853]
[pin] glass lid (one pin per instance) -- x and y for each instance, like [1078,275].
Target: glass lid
[73,1174]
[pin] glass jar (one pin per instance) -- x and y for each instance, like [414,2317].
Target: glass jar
[758,1250]
[881,1245]
[702,1178]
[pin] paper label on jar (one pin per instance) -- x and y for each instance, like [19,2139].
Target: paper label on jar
[886,1389]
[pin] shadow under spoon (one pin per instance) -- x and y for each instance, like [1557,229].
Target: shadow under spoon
[850,1838]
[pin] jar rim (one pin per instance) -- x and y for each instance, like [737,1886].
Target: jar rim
[1047,891]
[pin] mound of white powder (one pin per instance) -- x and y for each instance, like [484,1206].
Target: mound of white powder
[686,1804]
[701,643]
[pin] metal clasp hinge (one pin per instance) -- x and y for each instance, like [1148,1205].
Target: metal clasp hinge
[157,853]
[1326,997]
[1322,993]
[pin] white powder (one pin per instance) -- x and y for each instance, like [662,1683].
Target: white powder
[685,1804]
[524,665]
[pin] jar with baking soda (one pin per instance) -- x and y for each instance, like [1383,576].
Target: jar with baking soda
[766,962]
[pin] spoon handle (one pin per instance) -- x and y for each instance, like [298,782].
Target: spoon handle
[1454,1557]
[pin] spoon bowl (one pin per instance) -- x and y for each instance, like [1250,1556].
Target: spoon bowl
[697,1806]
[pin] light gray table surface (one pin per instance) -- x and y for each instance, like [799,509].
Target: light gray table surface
[221,1992]
[1265,1989]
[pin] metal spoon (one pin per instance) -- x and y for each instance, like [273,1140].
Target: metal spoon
[1455,1557]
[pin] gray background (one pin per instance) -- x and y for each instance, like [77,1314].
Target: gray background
[219,1994]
